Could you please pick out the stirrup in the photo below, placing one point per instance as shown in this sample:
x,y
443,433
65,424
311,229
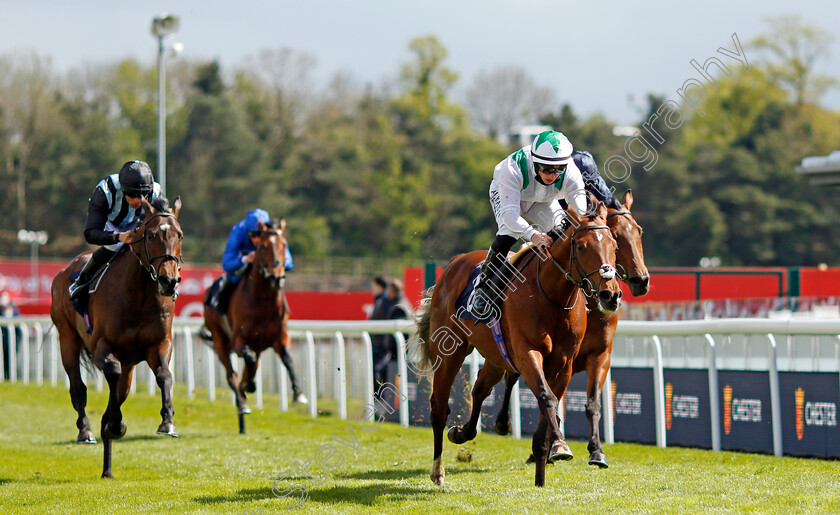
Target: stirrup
x,y
74,289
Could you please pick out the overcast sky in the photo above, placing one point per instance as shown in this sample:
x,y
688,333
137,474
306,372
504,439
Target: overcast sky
x,y
598,55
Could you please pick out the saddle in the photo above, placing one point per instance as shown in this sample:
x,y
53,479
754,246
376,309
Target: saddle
x,y
80,302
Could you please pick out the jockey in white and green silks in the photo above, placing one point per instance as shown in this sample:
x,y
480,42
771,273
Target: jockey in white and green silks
x,y
525,194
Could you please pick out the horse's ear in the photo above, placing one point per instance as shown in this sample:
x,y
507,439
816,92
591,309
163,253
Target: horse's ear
x,y
283,224
601,209
627,199
176,206
262,226
147,208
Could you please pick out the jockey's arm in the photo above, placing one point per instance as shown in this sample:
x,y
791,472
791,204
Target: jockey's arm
x,y
289,262
97,218
509,184
233,257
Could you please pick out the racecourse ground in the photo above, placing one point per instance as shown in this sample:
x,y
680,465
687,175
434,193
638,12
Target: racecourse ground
x,y
212,469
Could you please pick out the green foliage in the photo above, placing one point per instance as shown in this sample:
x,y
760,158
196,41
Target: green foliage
x,y
397,171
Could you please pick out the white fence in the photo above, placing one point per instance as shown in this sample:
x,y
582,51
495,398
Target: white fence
x,y
333,360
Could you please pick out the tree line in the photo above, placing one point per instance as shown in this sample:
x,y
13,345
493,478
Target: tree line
x,y
400,169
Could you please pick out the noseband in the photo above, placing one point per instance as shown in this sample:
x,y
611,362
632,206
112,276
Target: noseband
x,y
606,271
149,266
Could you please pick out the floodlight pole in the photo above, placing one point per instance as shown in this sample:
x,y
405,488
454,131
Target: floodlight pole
x,y
161,115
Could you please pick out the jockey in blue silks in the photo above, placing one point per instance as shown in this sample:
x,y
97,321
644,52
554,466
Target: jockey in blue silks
x,y
239,253
592,180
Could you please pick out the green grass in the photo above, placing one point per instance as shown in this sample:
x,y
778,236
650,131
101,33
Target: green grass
x,y
212,469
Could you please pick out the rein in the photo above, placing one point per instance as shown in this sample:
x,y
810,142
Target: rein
x,y
574,264
622,273
153,272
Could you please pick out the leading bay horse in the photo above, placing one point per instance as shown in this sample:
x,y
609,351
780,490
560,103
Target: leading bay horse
x,y
130,316
595,351
256,319
543,320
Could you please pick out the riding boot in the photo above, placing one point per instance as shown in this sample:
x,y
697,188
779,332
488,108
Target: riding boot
x,y
492,282
99,257
219,299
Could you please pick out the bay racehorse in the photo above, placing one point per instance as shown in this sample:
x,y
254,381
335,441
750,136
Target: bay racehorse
x,y
130,316
542,319
256,319
596,348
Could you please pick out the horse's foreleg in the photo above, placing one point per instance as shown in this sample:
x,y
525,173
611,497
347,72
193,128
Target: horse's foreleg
x,y
158,360
548,443
251,358
488,376
113,427
78,390
596,374
503,426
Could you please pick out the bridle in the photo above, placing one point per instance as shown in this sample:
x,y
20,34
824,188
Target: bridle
x,y
277,282
622,273
149,264
606,271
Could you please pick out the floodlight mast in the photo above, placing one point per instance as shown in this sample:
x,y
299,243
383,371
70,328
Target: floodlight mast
x,y
163,26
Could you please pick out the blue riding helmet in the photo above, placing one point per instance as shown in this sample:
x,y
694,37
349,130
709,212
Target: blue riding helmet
x,y
253,219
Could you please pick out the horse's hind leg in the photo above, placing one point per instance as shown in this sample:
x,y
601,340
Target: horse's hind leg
x,y
283,351
223,351
159,363
71,346
503,426
488,376
441,386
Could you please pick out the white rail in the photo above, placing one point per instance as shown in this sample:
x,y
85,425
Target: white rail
x,y
333,359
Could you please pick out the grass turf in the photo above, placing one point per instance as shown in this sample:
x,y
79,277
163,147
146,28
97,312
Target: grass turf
x,y
213,469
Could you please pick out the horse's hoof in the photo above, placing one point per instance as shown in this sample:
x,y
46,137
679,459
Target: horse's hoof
x,y
109,432
560,452
168,429
530,460
502,430
107,475
300,398
599,459
86,437
244,410
438,473
451,434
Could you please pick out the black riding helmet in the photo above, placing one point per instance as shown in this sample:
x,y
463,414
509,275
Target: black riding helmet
x,y
136,177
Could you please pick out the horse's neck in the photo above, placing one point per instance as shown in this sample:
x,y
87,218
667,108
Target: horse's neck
x,y
127,265
257,284
553,281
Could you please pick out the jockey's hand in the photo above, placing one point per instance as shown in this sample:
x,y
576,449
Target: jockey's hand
x,y
541,239
126,237
249,257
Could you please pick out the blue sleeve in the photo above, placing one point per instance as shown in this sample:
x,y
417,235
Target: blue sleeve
x,y
596,185
290,263
232,258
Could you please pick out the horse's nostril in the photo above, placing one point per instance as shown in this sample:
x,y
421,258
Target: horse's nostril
x,y
605,295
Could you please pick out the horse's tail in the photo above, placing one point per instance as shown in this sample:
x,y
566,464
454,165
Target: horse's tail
x,y
87,362
420,353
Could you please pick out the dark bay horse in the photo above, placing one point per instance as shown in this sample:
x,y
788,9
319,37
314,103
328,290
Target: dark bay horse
x,y
595,351
131,320
256,319
543,320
